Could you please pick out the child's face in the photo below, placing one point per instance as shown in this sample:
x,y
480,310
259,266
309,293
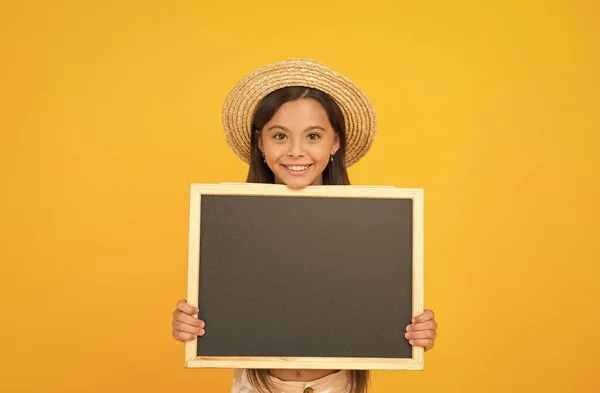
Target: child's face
x,y
298,142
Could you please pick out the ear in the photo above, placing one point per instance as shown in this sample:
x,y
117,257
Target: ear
x,y
336,144
259,140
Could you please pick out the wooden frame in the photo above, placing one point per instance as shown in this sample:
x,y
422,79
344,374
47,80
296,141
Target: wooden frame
x,y
197,190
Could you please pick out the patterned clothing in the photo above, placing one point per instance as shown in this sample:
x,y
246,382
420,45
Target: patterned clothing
x,y
333,383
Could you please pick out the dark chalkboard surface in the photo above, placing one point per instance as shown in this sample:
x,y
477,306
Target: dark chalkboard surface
x,y
325,277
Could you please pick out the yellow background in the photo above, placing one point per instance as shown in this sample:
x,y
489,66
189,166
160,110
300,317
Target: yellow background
x,y
110,109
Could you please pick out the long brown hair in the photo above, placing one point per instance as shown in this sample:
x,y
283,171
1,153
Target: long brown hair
x,y
334,174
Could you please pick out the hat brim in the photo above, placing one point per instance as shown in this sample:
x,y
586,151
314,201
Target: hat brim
x,y
241,103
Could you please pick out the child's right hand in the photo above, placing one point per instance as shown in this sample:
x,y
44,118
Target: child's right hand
x,y
186,326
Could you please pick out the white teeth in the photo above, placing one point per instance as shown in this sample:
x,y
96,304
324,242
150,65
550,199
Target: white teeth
x,y
298,168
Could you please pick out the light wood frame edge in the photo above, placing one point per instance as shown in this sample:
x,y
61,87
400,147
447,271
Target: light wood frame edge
x,y
193,274
305,363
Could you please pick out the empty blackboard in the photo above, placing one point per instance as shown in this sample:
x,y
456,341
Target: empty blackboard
x,y
326,277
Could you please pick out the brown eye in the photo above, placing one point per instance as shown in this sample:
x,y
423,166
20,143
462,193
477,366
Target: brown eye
x,y
279,136
314,136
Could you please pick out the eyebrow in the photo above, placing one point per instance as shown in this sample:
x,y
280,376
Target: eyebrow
x,y
286,129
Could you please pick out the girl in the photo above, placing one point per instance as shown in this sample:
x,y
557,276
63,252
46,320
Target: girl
x,y
290,121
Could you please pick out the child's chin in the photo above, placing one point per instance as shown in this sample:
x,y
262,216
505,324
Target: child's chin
x,y
298,184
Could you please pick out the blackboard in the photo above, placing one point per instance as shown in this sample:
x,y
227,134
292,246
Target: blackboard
x,y
326,277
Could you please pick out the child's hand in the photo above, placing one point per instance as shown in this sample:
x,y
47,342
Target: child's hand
x,y
185,326
423,330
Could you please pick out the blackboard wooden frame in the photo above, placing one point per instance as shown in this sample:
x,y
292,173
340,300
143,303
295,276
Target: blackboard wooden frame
x,y
192,360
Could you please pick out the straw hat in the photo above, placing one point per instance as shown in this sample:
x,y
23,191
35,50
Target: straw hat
x,y
240,104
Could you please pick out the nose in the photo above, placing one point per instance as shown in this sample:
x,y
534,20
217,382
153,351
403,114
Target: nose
x,y
296,149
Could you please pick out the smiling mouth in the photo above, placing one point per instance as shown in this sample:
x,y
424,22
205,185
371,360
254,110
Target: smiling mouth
x,y
297,169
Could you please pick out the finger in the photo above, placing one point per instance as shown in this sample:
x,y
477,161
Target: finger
x,y
427,344
183,306
428,325
424,316
424,334
188,319
182,336
184,327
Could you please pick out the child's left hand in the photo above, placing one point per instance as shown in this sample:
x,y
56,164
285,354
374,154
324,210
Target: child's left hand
x,y
422,331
